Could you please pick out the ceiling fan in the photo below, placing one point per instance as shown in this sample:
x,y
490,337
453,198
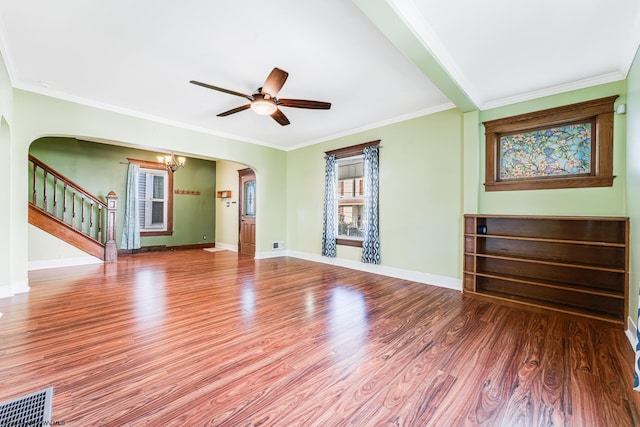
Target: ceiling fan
x,y
264,101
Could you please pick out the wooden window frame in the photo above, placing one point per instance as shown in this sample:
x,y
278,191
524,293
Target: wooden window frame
x,y
598,111
159,166
343,153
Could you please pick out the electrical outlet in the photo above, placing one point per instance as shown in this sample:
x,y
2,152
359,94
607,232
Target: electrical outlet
x,y
278,245
204,237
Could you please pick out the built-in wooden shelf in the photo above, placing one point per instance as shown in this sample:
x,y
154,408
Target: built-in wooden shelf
x,y
576,265
224,194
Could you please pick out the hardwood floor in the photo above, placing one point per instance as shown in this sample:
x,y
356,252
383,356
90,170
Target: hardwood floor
x,y
199,338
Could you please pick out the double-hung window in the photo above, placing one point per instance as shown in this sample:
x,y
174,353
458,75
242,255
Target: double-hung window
x,y
153,199
350,197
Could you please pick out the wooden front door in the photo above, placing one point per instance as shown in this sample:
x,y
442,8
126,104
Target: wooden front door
x,y
247,235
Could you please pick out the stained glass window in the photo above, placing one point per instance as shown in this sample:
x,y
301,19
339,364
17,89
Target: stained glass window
x,y
555,151
250,198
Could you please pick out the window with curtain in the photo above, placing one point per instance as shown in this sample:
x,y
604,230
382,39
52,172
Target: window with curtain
x,y
155,198
351,200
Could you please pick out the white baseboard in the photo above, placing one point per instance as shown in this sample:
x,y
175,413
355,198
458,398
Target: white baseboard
x,y
66,262
271,254
632,333
20,287
6,291
227,246
14,288
398,273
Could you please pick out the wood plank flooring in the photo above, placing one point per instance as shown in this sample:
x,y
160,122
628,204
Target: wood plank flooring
x,y
194,338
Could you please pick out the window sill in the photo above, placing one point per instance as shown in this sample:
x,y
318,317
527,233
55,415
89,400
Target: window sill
x,y
550,183
156,233
349,242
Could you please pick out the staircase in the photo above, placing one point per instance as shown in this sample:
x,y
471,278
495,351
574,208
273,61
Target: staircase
x,y
67,211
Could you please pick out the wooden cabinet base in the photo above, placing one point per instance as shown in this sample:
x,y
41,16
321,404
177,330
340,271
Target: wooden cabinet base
x,y
573,265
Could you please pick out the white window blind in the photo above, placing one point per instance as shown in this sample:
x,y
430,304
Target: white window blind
x,y
153,195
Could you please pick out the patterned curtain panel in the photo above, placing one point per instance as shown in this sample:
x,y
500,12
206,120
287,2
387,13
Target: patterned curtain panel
x,y
131,228
371,242
329,222
636,375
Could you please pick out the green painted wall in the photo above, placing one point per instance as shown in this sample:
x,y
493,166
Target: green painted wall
x,y
633,181
420,194
582,201
101,168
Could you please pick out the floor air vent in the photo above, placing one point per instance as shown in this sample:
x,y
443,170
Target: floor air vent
x,y
32,409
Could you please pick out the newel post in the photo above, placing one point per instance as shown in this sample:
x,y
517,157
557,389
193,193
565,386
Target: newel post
x,y
111,250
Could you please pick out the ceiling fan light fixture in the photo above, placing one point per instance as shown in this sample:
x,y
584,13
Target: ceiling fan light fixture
x,y
264,102
264,107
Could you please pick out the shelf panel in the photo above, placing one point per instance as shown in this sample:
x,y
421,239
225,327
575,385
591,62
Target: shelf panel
x,y
617,320
613,282
468,283
469,225
568,301
545,262
552,285
609,230
565,253
547,240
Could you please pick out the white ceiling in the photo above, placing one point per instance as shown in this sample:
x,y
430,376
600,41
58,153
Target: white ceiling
x,y
376,61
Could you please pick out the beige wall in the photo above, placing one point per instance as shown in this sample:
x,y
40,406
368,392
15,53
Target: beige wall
x,y
47,251
227,210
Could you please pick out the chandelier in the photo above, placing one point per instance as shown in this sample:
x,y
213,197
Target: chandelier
x,y
172,162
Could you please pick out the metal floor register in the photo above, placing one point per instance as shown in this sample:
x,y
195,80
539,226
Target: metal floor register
x,y
32,409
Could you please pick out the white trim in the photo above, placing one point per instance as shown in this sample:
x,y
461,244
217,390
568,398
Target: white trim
x,y
398,273
226,246
271,254
632,333
416,114
65,262
6,291
555,90
20,287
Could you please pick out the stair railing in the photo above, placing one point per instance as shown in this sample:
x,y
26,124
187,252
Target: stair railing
x,y
70,204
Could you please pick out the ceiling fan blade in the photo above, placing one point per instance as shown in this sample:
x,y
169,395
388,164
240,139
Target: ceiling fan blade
x,y
279,117
302,103
220,89
274,82
235,110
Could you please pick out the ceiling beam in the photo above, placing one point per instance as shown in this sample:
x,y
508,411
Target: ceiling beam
x,y
392,25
